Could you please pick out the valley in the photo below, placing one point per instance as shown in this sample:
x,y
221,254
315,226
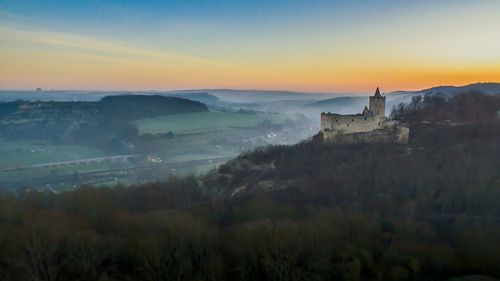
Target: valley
x,y
425,210
60,146
172,133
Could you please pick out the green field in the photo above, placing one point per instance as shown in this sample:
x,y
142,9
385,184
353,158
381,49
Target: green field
x,y
201,141
202,122
22,153
25,153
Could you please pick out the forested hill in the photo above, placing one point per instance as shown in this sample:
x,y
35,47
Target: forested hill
x,y
424,211
69,121
134,107
444,135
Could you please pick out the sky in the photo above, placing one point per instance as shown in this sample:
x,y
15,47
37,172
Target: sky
x,y
314,46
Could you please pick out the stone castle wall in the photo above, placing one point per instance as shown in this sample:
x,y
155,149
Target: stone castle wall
x,y
393,134
347,124
402,134
369,127
376,136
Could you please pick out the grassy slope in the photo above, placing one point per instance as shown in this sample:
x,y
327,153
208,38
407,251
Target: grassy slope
x,y
202,122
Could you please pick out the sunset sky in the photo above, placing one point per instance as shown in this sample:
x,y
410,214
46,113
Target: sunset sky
x,y
317,46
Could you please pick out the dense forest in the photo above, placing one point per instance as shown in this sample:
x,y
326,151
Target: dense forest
x,y
424,211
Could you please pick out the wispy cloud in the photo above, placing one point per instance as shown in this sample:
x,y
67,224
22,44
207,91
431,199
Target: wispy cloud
x,y
102,47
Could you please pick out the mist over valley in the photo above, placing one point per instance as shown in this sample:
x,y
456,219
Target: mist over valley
x,y
229,140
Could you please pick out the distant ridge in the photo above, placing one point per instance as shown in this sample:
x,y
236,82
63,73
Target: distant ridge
x,y
251,96
354,104
489,88
221,96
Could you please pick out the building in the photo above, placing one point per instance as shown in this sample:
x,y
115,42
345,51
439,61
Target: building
x,y
370,126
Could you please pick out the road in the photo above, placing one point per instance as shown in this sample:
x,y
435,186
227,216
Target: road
x,y
75,162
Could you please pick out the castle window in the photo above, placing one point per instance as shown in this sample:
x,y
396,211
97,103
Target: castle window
x,y
365,118
352,120
347,125
379,123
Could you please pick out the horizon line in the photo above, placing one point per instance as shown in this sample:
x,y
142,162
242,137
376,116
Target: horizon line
x,y
232,89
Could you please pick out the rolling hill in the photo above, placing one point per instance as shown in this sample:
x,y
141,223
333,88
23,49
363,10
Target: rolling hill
x,y
71,121
355,104
489,88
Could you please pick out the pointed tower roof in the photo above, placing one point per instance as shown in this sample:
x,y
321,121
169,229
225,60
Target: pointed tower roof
x,y
365,110
377,93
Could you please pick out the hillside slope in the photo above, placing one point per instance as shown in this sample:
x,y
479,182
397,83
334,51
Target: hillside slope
x,y
489,88
66,121
463,127
311,211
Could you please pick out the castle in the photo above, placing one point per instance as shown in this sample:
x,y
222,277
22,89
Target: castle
x,y
371,126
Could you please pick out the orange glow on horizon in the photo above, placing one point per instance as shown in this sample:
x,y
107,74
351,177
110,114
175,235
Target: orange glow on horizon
x,y
62,61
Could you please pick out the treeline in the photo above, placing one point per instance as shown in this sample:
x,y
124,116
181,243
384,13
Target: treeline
x,y
132,107
466,107
427,211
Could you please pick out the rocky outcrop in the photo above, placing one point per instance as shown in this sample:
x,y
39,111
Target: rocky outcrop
x,y
242,176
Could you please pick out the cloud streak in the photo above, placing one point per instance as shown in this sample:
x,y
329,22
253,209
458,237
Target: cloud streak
x,y
101,47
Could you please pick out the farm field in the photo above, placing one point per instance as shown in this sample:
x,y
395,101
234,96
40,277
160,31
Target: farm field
x,y
196,146
24,153
200,142
202,122
34,173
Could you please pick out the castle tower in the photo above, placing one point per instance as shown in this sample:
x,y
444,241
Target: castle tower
x,y
377,104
